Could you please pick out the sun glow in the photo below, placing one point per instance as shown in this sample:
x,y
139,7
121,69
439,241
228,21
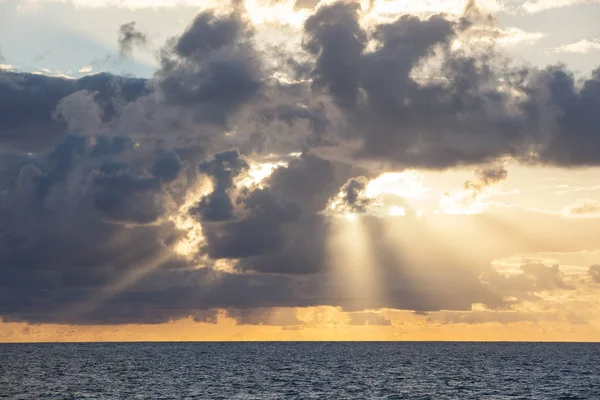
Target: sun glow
x,y
193,237
396,211
257,173
283,12
386,195
462,202
407,184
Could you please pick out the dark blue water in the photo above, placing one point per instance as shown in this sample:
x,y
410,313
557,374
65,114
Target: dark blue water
x,y
300,371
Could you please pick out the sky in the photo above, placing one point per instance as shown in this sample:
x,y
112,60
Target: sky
x,y
299,170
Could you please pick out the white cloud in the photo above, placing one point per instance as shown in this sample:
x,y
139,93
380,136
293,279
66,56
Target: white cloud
x,y
583,46
376,7
513,36
543,5
131,4
86,69
55,74
6,67
510,36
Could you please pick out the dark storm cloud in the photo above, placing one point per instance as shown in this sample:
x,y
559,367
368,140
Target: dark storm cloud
x,y
58,165
123,197
257,234
218,205
352,194
211,68
575,137
431,124
28,105
208,33
308,181
282,231
167,165
129,37
92,171
464,118
335,37
291,114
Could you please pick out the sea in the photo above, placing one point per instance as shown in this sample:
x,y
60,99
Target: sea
x,y
348,370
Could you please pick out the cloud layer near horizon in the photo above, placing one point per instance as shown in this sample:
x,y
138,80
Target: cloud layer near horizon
x,y
104,179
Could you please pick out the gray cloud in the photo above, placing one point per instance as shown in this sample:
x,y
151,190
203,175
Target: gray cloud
x,y
594,272
465,118
81,113
353,196
265,316
218,206
535,277
486,176
92,169
129,37
583,208
491,175
29,102
502,317
212,68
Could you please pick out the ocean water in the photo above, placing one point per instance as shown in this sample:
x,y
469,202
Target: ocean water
x,y
300,371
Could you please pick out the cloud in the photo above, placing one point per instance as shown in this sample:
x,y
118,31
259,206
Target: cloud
x,y
104,179
368,318
537,6
29,104
594,273
306,3
218,206
85,69
398,119
129,37
80,112
285,317
513,36
534,278
583,208
212,68
470,199
545,278
483,317
487,176
352,197
134,4
581,47
510,36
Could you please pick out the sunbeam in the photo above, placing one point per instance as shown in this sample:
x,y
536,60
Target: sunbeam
x,y
351,261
